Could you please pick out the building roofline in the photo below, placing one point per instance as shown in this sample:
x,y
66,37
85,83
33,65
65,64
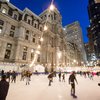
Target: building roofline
x,y
12,6
21,11
27,9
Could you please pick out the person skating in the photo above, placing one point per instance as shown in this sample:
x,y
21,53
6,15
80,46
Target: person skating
x,y
63,77
4,86
59,76
72,80
50,77
8,75
14,74
27,77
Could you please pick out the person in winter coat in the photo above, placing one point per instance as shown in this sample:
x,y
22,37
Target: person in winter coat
x,y
4,86
72,80
50,77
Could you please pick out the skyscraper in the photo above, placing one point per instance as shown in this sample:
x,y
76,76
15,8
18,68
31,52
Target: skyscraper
x,y
74,35
94,28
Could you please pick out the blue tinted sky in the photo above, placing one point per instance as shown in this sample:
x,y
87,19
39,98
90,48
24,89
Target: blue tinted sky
x,y
71,10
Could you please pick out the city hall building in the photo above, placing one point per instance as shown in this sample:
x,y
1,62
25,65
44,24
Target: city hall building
x,y
20,33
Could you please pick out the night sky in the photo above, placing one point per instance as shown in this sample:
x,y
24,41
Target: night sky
x,y
71,10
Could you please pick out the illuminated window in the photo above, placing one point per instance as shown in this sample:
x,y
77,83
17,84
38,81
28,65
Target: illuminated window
x,y
1,25
0,29
94,16
8,51
96,7
32,54
4,10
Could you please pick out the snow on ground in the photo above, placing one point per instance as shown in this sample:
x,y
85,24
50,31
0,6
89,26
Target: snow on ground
x,y
39,90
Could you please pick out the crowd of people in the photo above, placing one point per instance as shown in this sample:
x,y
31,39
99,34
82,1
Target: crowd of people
x,y
10,77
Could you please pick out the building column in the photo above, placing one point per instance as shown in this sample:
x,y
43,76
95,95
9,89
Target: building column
x,y
21,34
2,51
7,27
18,53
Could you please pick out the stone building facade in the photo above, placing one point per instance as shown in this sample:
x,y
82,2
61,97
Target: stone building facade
x,y
20,33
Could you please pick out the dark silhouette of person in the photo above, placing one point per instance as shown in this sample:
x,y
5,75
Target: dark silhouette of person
x,y
63,77
59,76
2,73
8,74
14,74
72,80
4,86
50,77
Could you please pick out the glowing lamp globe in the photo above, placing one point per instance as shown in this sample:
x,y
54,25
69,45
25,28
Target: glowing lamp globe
x,y
52,7
41,39
45,28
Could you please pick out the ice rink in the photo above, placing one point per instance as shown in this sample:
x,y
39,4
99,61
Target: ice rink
x,y
39,90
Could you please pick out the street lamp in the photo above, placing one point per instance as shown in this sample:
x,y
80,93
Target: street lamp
x,y
39,46
45,28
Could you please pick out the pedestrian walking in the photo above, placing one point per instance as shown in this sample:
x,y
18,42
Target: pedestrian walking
x,y
72,80
4,86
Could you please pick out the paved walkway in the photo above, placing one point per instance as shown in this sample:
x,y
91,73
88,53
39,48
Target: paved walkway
x,y
39,90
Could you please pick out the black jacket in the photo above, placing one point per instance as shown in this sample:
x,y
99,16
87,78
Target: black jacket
x,y
4,86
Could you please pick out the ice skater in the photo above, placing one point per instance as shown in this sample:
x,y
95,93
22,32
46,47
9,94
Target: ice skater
x,y
63,77
28,76
59,76
50,77
4,87
72,80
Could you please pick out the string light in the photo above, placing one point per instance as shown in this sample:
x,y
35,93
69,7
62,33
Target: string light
x,y
45,28
32,50
51,8
35,57
39,46
37,52
41,39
